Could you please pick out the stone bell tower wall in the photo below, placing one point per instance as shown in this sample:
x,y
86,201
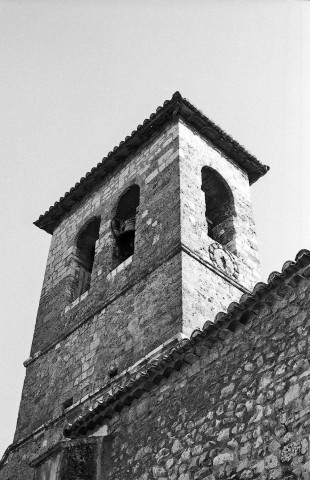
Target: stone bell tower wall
x,y
154,295
195,153
208,289
116,337
155,169
128,311
205,293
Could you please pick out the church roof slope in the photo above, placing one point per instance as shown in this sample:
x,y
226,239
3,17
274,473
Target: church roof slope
x,y
177,106
187,350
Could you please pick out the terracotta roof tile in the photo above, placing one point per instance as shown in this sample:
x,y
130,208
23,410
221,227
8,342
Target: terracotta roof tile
x,y
237,314
176,107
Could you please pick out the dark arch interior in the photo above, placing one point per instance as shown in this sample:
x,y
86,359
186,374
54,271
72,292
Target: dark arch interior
x,y
86,243
219,205
128,203
124,224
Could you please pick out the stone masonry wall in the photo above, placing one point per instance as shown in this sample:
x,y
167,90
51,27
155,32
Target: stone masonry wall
x,y
117,337
195,153
204,294
155,169
240,411
124,315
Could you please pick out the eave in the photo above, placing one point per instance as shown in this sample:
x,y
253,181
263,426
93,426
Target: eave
x,y
188,350
177,107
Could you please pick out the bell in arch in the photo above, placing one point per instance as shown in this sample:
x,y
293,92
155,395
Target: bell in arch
x,y
124,223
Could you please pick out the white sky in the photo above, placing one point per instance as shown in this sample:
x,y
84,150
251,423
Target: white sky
x,y
78,76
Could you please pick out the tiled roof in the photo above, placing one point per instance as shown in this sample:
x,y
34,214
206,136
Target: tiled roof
x,y
188,350
176,107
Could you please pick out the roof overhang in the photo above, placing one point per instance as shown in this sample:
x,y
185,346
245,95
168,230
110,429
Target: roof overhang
x,y
177,107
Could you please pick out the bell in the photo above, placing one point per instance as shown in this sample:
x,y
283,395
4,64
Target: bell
x,y
126,237
128,225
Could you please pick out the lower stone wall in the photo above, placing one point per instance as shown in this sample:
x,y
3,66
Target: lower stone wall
x,y
238,410
17,464
16,468
241,411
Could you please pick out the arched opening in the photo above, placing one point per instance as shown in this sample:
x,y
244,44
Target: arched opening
x,y
220,208
85,255
124,225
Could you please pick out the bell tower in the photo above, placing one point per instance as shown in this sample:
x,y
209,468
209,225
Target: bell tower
x,y
156,240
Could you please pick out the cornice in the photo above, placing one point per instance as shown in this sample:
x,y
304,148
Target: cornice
x,y
177,107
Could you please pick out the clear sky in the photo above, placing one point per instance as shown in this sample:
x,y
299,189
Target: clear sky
x,y
78,76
